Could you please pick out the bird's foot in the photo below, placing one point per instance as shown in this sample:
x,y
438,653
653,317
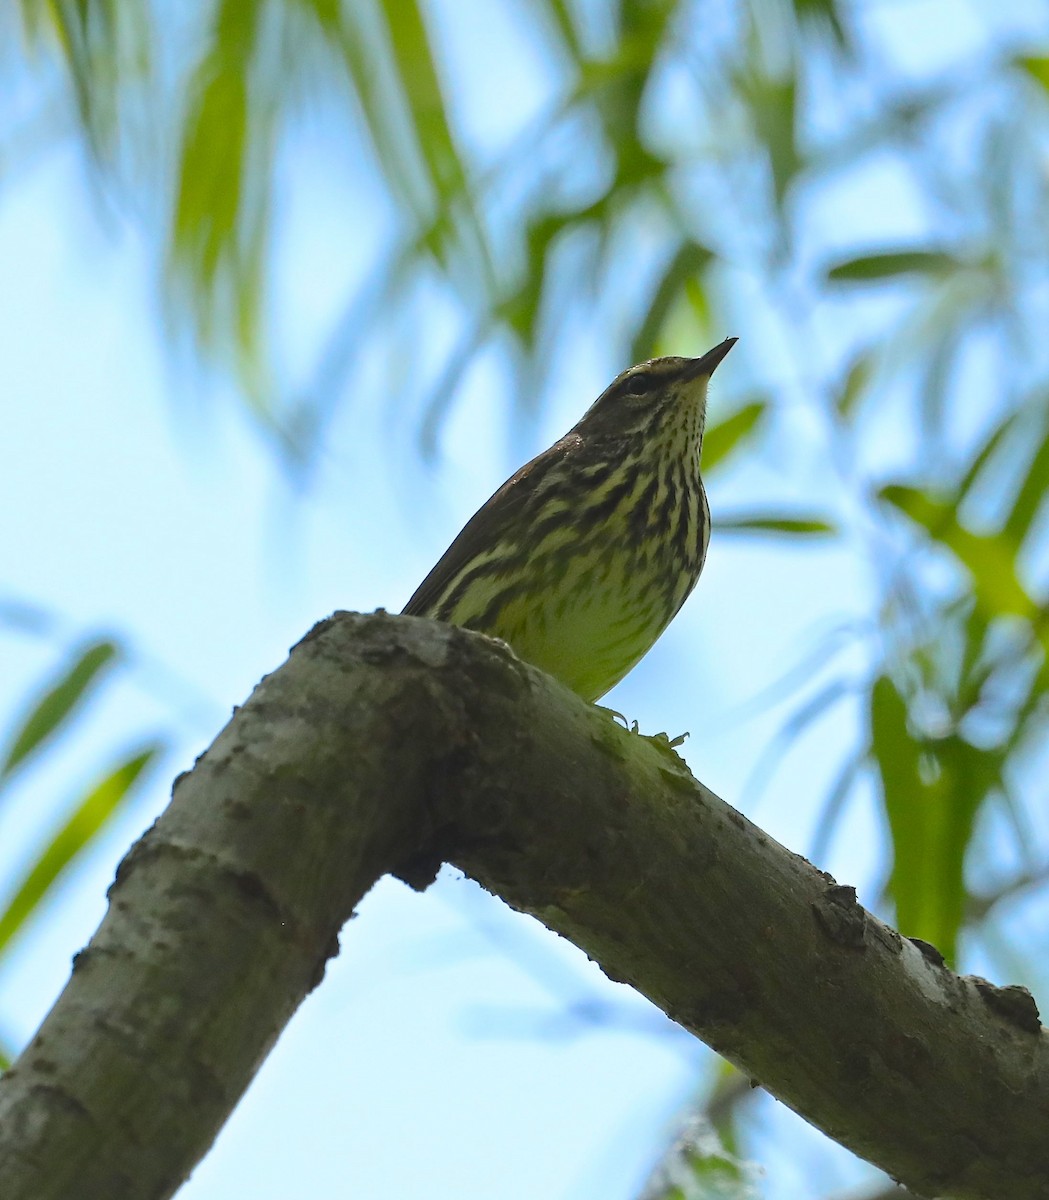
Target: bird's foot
x,y
666,741
662,741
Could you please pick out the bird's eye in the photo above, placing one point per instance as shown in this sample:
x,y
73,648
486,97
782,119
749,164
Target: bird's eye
x,y
638,384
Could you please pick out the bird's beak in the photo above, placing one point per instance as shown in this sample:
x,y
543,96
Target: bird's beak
x,y
707,364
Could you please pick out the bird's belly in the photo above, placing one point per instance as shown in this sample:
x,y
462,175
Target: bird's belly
x,y
593,627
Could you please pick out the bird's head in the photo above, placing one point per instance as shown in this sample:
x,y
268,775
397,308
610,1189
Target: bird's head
x,y
661,398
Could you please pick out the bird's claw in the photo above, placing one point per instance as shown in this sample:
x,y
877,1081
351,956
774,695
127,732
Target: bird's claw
x,y
662,741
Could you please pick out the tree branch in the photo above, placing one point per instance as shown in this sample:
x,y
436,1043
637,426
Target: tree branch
x,y
390,744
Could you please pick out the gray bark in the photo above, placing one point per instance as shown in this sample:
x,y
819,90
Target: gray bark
x,y
391,744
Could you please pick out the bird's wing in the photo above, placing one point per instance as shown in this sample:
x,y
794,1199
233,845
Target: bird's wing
x,y
488,525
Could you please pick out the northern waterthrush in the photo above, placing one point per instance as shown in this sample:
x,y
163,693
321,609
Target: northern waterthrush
x,y
584,556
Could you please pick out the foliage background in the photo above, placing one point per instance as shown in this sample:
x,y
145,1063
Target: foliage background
x,y
290,287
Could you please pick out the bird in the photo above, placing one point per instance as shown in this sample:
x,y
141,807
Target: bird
x,y
585,555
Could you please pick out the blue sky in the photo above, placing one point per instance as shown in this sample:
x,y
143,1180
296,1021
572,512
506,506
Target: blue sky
x,y
440,1057
431,1061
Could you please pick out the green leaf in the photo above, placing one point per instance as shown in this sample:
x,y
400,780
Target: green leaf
x,y
698,1167
350,32
217,242
420,90
892,263
1037,66
59,703
726,436
213,163
988,558
1030,497
856,381
772,104
97,807
825,13
931,791
688,261
760,523
986,452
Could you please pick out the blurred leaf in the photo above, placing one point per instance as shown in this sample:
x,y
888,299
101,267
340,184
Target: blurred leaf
x,y
347,29
833,808
809,711
687,262
106,47
857,379
562,19
26,616
761,523
986,452
97,807
825,14
937,375
891,263
698,1167
726,436
771,104
932,792
1037,66
989,558
545,234
220,217
1030,497
58,703
420,88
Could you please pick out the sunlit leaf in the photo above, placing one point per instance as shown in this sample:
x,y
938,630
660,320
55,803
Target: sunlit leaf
x,y
59,703
770,523
890,264
348,31
721,440
932,792
213,162
989,559
220,216
419,86
75,833
688,261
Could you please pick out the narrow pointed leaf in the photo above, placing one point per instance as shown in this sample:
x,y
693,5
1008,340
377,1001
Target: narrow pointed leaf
x,y
932,792
59,703
1031,496
688,261
761,523
213,162
722,439
96,808
891,264
854,385
990,559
